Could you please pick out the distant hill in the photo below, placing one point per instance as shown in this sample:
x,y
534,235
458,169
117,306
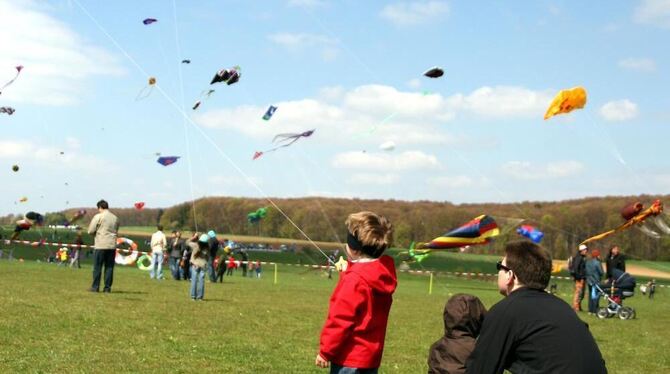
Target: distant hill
x,y
565,223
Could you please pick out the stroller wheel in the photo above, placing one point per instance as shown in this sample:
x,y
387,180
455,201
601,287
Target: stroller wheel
x,y
603,313
625,313
631,312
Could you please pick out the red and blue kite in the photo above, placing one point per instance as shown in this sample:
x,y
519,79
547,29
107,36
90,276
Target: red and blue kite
x,y
167,160
531,233
478,231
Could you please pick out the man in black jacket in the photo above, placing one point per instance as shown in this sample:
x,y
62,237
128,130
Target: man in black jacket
x,y
532,331
615,260
174,249
578,272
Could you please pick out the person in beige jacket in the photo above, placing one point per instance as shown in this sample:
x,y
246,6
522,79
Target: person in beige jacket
x,y
105,227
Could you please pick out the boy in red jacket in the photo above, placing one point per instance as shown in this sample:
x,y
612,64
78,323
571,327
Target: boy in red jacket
x,y
352,339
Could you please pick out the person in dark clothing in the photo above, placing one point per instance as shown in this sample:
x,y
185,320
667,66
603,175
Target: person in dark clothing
x,y
594,273
615,260
463,318
244,263
174,250
530,330
578,272
213,249
186,262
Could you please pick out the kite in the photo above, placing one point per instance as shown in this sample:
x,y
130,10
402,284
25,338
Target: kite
x,y
531,233
635,215
146,91
341,264
435,72
204,95
167,160
139,205
7,109
23,199
197,104
149,21
256,216
566,101
269,113
185,61
15,168
287,139
478,231
229,76
18,71
414,255
387,146
29,219
77,216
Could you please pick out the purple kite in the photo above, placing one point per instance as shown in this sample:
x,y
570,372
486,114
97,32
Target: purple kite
x,y
149,21
287,139
229,76
167,160
18,71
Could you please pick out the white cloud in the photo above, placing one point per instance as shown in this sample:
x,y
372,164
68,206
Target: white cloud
x,y
646,65
620,110
526,170
414,83
20,151
456,181
306,3
371,112
409,160
329,47
373,179
653,12
57,61
415,12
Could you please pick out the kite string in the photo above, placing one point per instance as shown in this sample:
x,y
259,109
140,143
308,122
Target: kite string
x,y
186,137
199,130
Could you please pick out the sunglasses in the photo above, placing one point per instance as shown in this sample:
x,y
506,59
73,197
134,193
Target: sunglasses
x,y
500,266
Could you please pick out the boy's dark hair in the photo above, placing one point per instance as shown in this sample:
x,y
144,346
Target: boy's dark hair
x,y
160,227
102,204
530,262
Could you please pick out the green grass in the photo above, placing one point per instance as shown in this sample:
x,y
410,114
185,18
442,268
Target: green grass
x,y
49,323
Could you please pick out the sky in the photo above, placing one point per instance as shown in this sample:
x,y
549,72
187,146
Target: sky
x,y
351,70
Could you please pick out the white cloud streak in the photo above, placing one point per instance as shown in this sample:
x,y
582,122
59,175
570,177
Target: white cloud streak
x,y
415,12
620,110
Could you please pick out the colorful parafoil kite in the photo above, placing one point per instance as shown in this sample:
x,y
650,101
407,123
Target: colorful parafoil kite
x,y
269,113
435,72
566,101
149,21
146,91
636,215
18,71
8,110
167,160
478,231
286,139
257,215
229,76
531,233
139,205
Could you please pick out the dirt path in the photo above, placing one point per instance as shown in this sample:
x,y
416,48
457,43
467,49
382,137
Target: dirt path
x,y
633,269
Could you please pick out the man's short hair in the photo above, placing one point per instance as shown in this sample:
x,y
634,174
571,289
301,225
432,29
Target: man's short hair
x,y
373,232
160,227
530,262
102,204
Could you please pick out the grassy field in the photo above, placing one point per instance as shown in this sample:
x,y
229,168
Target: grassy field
x,y
50,323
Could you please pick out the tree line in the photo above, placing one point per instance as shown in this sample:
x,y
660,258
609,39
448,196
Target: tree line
x,y
565,223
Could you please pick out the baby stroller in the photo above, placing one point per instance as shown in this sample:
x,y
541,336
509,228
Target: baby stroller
x,y
620,286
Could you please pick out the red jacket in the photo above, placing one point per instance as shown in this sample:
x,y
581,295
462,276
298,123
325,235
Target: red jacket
x,y
353,335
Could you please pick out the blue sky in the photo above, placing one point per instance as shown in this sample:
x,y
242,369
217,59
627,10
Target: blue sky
x,y
342,68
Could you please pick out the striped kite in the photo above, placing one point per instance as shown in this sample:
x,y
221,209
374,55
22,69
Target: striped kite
x,y
478,231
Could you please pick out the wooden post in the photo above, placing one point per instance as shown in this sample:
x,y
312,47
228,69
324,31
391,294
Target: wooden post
x,y
430,284
275,282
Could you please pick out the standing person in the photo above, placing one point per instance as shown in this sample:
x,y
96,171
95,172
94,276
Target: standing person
x,y
578,272
105,227
594,272
174,248
615,260
245,262
231,265
158,245
352,339
214,245
76,252
531,330
199,260
259,270
185,262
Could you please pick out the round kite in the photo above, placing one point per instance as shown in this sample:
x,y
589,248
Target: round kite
x,y
126,256
15,168
139,205
144,262
146,91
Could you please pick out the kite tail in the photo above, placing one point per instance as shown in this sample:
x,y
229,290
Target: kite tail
x,y
144,93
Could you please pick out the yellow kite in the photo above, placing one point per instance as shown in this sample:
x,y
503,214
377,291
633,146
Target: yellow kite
x,y
566,101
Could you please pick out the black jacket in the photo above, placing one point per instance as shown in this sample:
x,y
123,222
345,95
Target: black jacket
x,y
532,331
615,262
579,264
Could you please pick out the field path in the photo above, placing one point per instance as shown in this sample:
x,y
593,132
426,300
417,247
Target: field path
x,y
633,269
